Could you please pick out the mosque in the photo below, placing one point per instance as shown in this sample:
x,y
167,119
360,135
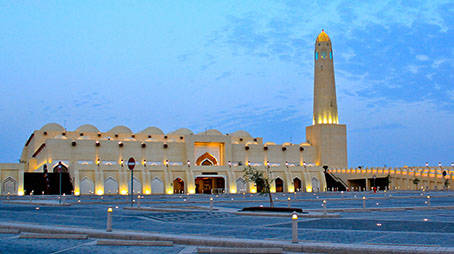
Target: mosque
x,y
87,161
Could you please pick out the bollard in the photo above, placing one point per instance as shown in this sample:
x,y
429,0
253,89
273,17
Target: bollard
x,y
294,227
288,202
342,192
428,200
138,201
364,202
109,220
324,207
211,203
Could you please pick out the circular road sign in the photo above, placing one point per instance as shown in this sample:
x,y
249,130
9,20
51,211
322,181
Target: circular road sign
x,y
131,163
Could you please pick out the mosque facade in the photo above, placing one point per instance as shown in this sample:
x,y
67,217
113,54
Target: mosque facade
x,y
95,162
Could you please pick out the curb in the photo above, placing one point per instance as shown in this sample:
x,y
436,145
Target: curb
x,y
227,242
133,243
288,215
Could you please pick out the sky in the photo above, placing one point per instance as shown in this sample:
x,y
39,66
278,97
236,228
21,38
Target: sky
x,y
232,65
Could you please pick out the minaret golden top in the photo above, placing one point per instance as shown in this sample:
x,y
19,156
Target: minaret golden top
x,y
322,36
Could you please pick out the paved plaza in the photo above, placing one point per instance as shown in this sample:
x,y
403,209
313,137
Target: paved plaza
x,y
391,219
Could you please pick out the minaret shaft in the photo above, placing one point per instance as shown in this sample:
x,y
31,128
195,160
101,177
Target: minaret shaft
x,y
326,135
325,104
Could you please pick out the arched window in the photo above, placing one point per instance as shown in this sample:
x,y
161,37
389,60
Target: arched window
x,y
331,55
316,55
206,159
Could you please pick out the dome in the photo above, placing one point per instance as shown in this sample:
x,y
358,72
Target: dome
x,y
182,131
52,127
87,128
120,129
240,133
211,132
152,131
322,37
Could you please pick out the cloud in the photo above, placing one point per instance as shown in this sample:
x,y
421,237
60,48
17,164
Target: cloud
x,y
422,57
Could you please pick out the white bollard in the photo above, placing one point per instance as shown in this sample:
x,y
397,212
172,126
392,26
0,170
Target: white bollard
x,y
109,220
211,203
294,227
364,202
138,201
288,202
342,192
324,207
428,200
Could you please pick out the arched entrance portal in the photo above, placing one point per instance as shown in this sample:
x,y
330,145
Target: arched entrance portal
x,y
279,185
209,184
178,186
297,184
49,182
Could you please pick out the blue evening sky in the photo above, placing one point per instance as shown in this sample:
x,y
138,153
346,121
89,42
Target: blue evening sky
x,y
232,65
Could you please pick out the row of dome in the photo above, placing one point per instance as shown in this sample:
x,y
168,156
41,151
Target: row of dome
x,y
120,129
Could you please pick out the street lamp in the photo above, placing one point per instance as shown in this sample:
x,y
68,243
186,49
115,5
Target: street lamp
x,y
59,180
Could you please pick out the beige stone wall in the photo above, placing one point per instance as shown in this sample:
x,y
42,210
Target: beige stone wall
x,y
97,161
401,178
330,144
11,179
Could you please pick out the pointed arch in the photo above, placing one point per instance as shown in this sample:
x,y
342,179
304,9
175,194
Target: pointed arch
x,y
110,186
178,186
86,186
297,184
136,184
206,159
279,185
9,186
157,186
315,184
241,185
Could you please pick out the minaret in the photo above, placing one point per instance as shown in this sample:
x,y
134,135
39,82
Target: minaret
x,y
325,105
326,135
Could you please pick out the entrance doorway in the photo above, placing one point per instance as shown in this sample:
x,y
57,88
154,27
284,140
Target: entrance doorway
x,y
279,185
210,184
178,186
297,184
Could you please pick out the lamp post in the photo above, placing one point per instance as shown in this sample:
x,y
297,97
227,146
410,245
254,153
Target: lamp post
x,y
294,227
59,180
109,220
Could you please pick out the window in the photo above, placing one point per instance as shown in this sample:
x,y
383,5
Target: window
x,y
316,55
323,55
331,55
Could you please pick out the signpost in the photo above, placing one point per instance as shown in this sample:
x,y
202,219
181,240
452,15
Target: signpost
x,y
131,165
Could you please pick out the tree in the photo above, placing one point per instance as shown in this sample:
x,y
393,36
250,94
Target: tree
x,y
261,179
415,182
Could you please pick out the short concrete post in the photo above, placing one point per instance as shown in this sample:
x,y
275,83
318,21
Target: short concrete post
x,y
294,227
138,201
109,220
342,193
324,207
211,203
428,200
364,202
289,202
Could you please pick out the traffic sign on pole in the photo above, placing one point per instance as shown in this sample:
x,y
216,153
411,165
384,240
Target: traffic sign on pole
x,y
131,163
